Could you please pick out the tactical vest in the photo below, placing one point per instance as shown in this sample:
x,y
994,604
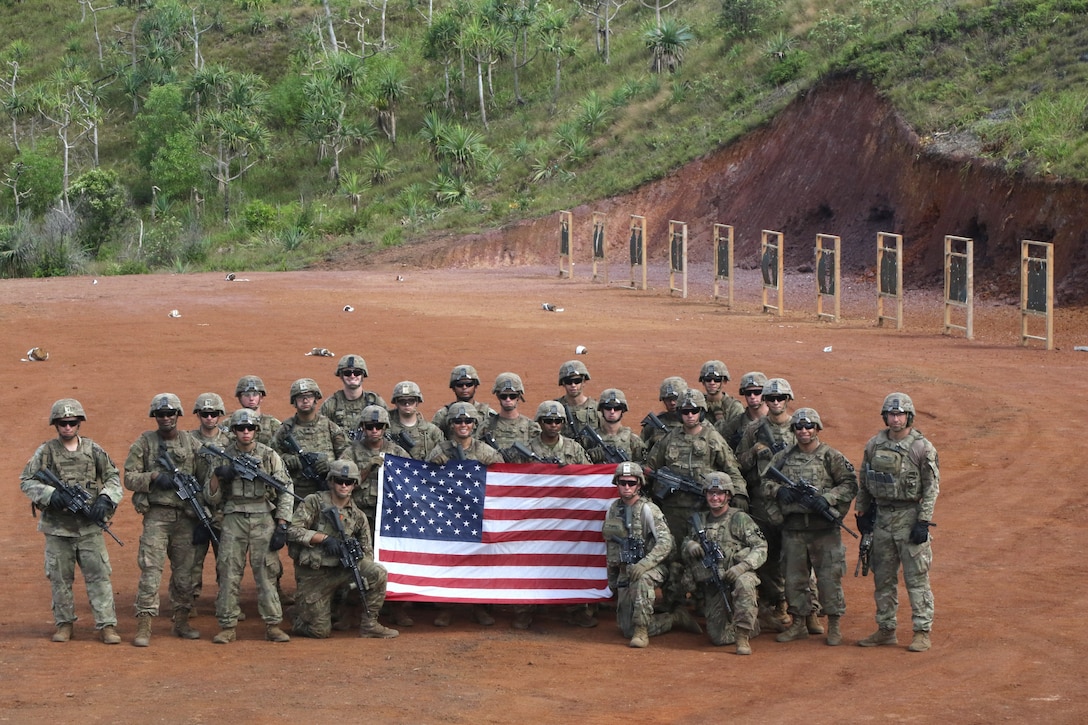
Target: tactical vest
x,y
893,469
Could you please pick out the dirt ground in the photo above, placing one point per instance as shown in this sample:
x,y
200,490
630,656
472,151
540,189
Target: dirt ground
x,y
1007,576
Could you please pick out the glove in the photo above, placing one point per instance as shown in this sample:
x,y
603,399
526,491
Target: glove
x,y
787,495
224,473
734,572
60,500
291,461
866,521
279,538
919,533
596,455
163,481
201,535
102,509
694,549
818,504
332,546
762,451
636,571
321,465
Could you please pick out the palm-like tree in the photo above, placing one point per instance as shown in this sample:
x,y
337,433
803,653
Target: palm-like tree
x,y
462,147
353,186
667,43
390,87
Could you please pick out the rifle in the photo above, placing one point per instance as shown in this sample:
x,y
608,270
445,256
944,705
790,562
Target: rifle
x,y
76,499
188,489
712,554
248,468
865,547
668,482
632,549
351,551
572,424
307,459
527,452
765,435
611,453
808,494
403,440
651,419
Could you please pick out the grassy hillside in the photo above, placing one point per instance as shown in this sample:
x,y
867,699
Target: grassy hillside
x,y
1007,80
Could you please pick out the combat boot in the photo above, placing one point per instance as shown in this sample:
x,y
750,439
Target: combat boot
x,y
181,625
482,616
920,643
63,633
109,635
834,633
879,637
782,615
682,618
273,633
376,630
769,621
143,630
797,630
744,647
641,638
812,623
522,620
225,636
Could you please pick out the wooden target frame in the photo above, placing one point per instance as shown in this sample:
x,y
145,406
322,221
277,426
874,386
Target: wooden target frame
x,y
678,257
637,249
566,245
1037,289
598,245
828,276
889,277
959,283
770,264
723,262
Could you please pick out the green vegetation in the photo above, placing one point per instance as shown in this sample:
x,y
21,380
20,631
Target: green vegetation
x,y
211,134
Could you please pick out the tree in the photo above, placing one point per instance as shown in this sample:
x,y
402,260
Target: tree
x,y
553,26
667,43
441,44
389,87
162,116
101,205
35,179
176,167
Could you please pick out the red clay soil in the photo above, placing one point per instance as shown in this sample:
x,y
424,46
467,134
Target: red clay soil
x,y
1008,573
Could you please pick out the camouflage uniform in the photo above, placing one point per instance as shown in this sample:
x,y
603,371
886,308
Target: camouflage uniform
x,y
168,522
477,451
645,523
902,479
441,416
565,450
200,550
625,440
584,414
809,541
345,413
741,542
250,511
423,434
320,574
369,462
505,431
321,436
70,540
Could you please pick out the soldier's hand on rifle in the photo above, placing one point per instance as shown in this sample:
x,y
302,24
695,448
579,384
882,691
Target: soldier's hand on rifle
x,y
321,465
734,572
60,500
162,480
332,546
818,504
201,535
694,549
292,462
279,537
224,473
762,451
919,533
864,522
102,509
596,455
637,570
787,495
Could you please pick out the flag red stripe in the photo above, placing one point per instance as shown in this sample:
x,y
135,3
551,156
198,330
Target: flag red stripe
x,y
431,559
529,491
533,514
504,583
502,537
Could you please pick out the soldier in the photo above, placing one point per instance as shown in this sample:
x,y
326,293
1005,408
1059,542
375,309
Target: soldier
x,y
315,434
549,444
501,430
464,382
346,405
367,452
72,539
251,392
462,444
743,550
169,522
751,392
669,394
720,405
810,542
901,480
407,424
573,376
638,544
209,410
764,437
255,517
612,405
320,547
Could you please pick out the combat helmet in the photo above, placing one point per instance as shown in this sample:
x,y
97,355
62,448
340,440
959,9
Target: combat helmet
x,y
406,389
713,368
249,384
691,399
164,402
629,468
550,409
464,372
718,481
374,414
754,379
806,415
612,396
672,387
245,416
66,408
778,386
304,386
573,368
509,383
462,409
898,403
351,362
343,468
209,402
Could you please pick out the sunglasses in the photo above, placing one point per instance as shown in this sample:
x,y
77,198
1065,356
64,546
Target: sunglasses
x,y
804,426
626,483
406,401
775,398
352,374
552,421
245,426
690,411
344,481
465,384
574,381
749,393
508,396
66,423
462,421
166,414
209,414
713,379
611,407
373,426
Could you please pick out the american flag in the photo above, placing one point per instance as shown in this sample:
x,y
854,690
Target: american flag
x,y
504,534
